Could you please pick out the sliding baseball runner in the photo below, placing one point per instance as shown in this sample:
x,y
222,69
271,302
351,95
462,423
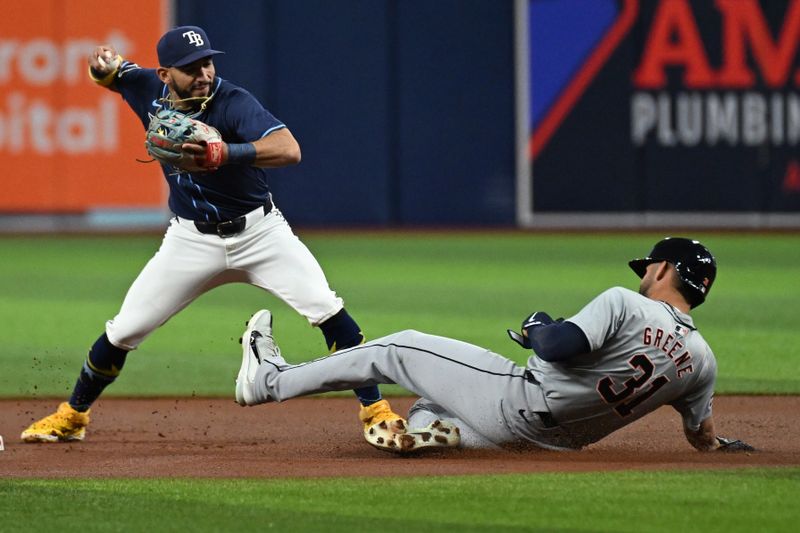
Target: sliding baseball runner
x,y
619,358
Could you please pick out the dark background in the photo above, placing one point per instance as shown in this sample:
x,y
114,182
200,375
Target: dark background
x,y
404,110
405,113
592,165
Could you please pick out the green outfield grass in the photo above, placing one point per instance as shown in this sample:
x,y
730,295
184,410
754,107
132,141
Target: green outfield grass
x,y
57,292
729,501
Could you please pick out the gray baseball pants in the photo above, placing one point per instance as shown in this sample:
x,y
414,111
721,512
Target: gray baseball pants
x,y
489,397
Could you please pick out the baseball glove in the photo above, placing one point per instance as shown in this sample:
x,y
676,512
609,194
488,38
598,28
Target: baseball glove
x,y
170,130
733,445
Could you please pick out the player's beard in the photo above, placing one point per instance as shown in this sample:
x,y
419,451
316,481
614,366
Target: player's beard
x,y
192,100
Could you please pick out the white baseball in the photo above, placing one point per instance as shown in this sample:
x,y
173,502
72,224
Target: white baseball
x,y
108,61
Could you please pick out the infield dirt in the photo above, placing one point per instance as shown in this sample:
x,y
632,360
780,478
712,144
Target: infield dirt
x,y
321,437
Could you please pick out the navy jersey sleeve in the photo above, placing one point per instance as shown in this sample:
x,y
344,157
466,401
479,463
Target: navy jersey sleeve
x,y
558,341
246,120
140,88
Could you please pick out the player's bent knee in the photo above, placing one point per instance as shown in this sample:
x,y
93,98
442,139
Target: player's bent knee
x,y
125,340
128,331
404,337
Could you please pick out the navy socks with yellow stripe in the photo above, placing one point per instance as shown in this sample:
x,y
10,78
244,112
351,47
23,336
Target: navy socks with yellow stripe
x,y
101,368
105,361
341,332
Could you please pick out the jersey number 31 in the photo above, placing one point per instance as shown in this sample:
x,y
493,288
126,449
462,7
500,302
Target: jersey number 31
x,y
631,394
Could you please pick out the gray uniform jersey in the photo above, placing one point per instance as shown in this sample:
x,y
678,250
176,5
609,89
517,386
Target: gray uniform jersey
x,y
644,354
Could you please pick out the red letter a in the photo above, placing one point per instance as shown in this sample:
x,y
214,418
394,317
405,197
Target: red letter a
x,y
674,40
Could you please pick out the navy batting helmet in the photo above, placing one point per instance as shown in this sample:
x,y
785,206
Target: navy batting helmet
x,y
696,267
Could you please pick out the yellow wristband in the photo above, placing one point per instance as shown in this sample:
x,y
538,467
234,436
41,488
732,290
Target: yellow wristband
x,y
108,79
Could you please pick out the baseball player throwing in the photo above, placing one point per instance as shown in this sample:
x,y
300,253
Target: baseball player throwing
x,y
226,227
621,357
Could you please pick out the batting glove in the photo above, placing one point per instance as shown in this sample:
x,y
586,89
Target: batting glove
x,y
539,318
733,445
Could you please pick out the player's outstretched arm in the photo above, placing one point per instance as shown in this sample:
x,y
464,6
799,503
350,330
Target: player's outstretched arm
x,y
705,439
103,64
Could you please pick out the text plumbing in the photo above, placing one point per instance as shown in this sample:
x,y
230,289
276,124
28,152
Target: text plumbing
x,y
747,95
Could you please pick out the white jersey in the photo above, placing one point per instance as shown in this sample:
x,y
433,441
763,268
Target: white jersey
x,y
644,354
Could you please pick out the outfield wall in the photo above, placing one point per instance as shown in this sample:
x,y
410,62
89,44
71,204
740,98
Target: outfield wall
x,y
557,113
659,112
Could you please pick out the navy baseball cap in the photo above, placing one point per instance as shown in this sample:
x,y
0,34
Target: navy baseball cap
x,y
183,45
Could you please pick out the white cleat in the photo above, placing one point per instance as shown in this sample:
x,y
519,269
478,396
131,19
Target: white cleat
x,y
393,437
257,343
438,434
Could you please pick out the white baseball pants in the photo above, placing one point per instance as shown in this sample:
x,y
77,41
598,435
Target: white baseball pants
x,y
266,254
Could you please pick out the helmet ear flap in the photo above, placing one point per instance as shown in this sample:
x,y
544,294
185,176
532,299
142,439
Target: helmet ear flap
x,y
698,279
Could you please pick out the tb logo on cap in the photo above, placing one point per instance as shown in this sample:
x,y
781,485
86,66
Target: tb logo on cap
x,y
194,38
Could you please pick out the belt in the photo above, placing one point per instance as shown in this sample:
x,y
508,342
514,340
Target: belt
x,y
228,228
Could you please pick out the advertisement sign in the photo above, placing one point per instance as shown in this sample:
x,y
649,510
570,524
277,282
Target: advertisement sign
x,y
67,145
676,111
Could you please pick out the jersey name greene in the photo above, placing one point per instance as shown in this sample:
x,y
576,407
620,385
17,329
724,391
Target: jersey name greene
x,y
644,354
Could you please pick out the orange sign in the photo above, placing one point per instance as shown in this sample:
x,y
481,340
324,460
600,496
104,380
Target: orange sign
x,y
66,144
